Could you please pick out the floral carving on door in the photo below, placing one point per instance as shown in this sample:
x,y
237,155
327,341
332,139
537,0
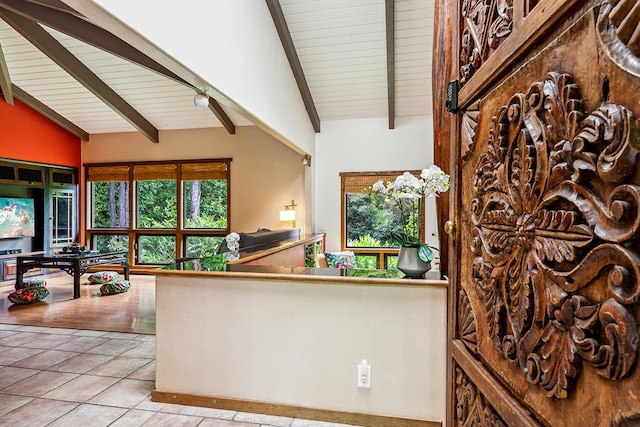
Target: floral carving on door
x,y
486,24
555,226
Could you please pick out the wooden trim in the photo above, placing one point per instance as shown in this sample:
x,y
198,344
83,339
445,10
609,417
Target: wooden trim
x,y
389,8
290,50
291,411
5,80
522,38
41,108
159,162
48,45
508,407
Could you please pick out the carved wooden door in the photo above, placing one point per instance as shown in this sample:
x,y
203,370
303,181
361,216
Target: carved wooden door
x,y
545,260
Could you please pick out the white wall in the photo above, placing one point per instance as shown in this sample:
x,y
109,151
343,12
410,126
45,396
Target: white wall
x,y
265,174
299,342
367,145
229,47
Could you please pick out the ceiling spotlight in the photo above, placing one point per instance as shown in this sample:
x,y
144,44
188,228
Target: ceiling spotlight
x,y
201,100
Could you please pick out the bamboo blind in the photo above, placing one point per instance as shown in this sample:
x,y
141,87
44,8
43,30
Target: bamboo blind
x,y
203,171
108,173
357,182
155,172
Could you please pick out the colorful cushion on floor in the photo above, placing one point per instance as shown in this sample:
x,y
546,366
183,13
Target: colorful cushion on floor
x,y
115,287
28,295
101,277
344,259
28,283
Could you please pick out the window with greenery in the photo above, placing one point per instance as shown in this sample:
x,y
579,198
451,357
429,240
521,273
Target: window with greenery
x,y
368,219
156,249
109,196
156,195
110,242
178,208
202,246
204,186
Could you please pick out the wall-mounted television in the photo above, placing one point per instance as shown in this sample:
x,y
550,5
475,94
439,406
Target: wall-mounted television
x,y
16,218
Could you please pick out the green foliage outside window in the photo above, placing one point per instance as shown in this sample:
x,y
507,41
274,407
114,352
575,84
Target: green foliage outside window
x,y
203,246
156,249
157,204
110,204
110,243
205,204
371,219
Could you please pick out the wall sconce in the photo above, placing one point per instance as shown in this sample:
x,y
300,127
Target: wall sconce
x,y
201,100
289,213
306,160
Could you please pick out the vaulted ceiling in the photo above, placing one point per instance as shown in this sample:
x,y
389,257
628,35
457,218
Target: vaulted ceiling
x,y
349,59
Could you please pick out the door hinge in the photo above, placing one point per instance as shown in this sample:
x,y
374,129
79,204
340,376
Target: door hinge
x,y
452,96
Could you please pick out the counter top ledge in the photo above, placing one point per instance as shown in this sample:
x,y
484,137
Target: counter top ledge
x,y
297,277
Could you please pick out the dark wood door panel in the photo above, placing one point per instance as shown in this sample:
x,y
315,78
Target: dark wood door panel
x,y
480,399
493,34
546,296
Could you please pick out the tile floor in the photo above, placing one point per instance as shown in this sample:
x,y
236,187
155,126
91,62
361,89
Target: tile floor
x,y
71,377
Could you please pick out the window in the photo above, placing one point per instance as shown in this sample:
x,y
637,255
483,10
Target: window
x,y
62,218
367,220
156,186
110,242
178,208
205,188
109,196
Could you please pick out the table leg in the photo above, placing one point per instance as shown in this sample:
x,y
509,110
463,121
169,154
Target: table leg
x,y
76,279
19,274
126,270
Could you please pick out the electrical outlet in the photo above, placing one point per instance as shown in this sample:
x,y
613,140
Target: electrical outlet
x,y
364,374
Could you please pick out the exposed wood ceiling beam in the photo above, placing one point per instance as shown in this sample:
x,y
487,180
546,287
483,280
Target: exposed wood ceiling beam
x,y
287,43
60,17
391,92
216,108
49,113
5,80
88,33
68,62
56,4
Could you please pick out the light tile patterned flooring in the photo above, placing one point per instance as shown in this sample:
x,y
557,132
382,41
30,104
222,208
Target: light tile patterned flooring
x,y
71,377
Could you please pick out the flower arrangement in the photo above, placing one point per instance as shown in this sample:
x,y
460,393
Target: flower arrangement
x,y
404,192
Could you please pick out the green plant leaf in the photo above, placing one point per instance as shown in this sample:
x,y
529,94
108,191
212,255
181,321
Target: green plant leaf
x,y
425,253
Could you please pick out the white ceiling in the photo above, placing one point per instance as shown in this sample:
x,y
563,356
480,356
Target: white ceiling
x,y
341,45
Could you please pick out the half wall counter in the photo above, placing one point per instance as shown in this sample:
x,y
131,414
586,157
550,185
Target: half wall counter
x,y
287,341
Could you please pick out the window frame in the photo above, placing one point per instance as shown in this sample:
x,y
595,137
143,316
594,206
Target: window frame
x,y
116,171
68,195
362,180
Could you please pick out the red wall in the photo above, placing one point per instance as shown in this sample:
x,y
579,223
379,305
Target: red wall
x,y
27,135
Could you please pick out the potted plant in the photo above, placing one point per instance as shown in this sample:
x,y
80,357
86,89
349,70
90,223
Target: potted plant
x,y
414,257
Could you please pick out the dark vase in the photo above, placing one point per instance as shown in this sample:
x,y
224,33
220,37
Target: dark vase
x,y
410,263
